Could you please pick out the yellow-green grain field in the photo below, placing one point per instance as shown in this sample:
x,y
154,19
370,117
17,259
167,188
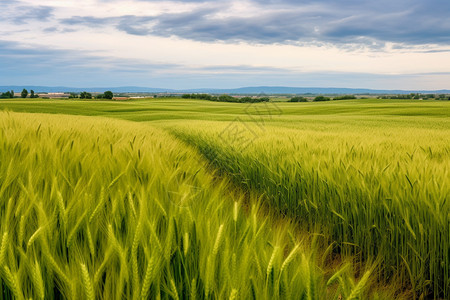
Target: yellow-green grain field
x,y
194,199
101,209
381,192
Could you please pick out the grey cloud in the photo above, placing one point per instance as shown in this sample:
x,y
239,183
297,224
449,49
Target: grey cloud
x,y
16,12
51,29
368,23
88,21
23,14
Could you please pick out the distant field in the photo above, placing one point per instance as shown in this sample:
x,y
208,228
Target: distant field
x,y
165,109
371,176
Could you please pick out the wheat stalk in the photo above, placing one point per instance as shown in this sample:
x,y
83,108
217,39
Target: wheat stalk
x,y
87,283
271,260
12,282
218,240
234,294
194,289
148,278
289,258
38,282
134,248
359,288
174,289
3,247
34,236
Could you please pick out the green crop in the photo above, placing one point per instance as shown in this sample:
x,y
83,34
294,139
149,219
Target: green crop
x,y
94,208
379,192
214,199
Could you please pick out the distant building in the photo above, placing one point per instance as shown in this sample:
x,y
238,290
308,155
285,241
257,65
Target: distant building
x,y
54,95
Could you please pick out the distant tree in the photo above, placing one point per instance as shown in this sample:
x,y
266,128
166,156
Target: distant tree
x,y
12,94
32,94
100,96
344,97
108,95
227,98
73,95
245,99
24,93
298,99
85,95
321,98
7,95
203,96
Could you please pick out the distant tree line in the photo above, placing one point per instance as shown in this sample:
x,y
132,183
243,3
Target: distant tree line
x,y
197,96
226,98
345,97
321,98
86,95
298,99
23,94
303,99
416,96
105,95
399,96
8,94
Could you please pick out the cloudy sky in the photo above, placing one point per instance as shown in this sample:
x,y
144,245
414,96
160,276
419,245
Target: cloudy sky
x,y
386,44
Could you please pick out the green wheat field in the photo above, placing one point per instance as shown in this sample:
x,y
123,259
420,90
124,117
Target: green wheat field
x,y
191,199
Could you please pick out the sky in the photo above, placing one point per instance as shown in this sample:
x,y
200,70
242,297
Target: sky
x,y
383,44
